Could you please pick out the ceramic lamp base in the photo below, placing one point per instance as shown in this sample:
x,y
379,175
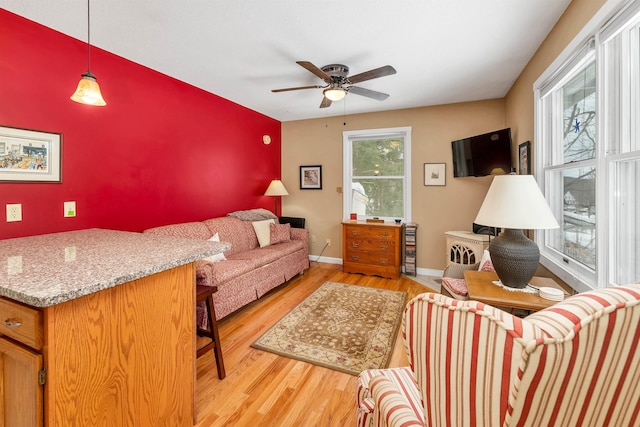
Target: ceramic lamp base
x,y
515,258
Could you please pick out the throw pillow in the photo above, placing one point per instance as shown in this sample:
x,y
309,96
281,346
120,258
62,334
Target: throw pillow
x,y
485,262
263,231
280,233
217,257
456,271
456,287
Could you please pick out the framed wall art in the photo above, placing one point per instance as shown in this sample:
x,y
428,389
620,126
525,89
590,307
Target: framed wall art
x,y
311,177
29,155
524,158
434,174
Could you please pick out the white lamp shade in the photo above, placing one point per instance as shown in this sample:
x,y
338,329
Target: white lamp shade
x,y
515,201
276,188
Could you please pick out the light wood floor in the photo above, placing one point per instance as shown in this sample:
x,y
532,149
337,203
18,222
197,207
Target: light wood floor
x,y
263,389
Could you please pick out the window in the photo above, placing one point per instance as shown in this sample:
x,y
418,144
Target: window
x,y
377,170
588,156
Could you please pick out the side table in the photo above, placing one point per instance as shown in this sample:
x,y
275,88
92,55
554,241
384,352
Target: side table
x,y
205,293
481,288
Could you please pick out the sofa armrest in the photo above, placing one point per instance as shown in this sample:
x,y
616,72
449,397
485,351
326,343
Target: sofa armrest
x,y
300,234
204,272
391,407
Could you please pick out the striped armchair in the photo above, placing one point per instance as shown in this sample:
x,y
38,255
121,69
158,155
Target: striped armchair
x,y
576,363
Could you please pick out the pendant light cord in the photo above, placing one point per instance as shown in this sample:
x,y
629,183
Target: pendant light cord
x,y
88,38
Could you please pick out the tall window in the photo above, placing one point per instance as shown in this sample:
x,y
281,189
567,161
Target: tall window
x,y
588,156
376,174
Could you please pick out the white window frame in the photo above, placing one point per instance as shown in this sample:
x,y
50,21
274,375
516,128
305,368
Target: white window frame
x,y
610,20
347,156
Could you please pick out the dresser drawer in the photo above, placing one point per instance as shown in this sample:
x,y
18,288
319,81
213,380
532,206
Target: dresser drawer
x,y
22,323
368,232
370,258
387,246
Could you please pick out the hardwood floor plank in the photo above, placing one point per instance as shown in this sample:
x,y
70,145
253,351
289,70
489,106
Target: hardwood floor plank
x,y
262,388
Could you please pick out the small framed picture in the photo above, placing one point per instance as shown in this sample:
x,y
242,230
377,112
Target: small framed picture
x,y
311,177
30,155
434,174
524,158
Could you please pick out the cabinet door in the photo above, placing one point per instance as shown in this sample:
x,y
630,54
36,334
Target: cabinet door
x,y
20,392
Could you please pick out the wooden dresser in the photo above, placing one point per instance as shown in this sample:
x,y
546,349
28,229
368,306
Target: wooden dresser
x,y
372,248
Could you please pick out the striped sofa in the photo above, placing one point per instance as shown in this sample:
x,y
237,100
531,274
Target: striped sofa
x,y
576,363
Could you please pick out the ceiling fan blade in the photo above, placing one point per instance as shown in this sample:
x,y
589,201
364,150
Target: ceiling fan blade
x,y
387,70
326,102
296,88
368,93
315,70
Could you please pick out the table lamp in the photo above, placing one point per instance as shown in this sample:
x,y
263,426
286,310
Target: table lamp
x,y
276,188
514,203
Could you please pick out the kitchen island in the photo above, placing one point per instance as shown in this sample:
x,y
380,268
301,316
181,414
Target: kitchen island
x,y
97,327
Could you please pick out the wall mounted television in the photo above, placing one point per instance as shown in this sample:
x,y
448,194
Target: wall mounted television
x,y
481,155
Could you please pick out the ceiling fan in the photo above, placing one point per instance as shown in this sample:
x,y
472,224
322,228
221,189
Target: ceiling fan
x,y
338,82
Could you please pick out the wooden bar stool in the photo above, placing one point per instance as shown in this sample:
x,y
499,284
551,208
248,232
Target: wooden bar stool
x,y
205,293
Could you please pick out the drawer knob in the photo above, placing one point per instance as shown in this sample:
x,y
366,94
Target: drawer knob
x,y
12,322
383,247
355,257
356,245
383,260
384,234
355,232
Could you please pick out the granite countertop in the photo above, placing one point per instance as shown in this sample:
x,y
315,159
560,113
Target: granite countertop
x,y
49,269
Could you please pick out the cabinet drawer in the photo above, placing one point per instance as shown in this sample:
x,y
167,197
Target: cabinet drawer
x,y
370,258
22,323
368,232
386,246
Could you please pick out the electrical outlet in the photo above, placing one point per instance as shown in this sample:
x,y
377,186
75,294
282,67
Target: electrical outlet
x,y
14,212
328,242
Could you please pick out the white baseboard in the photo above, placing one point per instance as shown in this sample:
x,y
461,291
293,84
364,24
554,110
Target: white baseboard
x,y
328,260
429,272
331,260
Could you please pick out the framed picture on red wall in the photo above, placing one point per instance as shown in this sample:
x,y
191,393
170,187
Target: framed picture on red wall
x,y
29,155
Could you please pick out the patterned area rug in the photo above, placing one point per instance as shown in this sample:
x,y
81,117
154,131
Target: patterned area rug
x,y
343,327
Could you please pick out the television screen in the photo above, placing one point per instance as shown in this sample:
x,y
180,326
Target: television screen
x,y
481,155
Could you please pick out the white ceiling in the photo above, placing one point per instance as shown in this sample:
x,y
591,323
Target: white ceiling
x,y
444,51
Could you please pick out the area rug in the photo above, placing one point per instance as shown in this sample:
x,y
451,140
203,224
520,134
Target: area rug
x,y
344,327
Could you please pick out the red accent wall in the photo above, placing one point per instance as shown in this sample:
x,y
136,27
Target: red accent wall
x,y
161,151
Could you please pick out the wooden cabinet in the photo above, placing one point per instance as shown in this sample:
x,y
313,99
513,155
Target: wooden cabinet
x,y
21,373
122,356
372,248
20,391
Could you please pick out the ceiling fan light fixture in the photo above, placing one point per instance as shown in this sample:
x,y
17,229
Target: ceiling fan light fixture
x,y
334,93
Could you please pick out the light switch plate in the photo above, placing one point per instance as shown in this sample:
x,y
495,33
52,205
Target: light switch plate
x,y
69,209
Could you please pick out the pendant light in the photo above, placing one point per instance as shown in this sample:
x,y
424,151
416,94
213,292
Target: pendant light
x,y
88,91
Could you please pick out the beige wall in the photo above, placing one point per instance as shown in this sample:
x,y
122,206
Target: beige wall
x,y
435,209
